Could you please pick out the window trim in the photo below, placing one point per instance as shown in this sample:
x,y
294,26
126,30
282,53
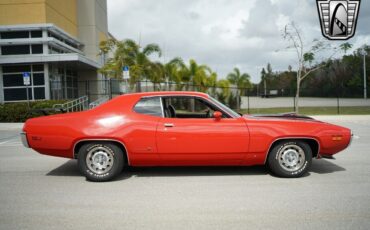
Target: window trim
x,y
160,101
186,95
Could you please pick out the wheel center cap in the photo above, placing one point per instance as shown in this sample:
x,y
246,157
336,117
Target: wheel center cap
x,y
100,158
291,158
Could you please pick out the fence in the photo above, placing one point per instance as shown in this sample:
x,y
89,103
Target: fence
x,y
251,100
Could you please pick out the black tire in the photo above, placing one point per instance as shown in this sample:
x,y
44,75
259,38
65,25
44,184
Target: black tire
x,y
100,161
290,159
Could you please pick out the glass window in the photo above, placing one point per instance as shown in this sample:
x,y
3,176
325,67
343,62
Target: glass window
x,y
15,34
36,34
225,108
39,92
36,49
10,80
16,68
149,106
187,107
14,50
38,68
17,94
38,79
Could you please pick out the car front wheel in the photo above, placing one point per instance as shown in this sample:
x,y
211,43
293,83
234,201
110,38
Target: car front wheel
x,y
100,161
290,159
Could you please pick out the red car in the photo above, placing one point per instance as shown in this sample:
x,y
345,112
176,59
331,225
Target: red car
x,y
181,129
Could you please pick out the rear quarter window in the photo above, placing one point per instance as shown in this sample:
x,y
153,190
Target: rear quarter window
x,y
149,106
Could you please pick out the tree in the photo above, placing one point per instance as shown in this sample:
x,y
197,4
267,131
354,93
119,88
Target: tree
x,y
224,84
345,47
129,53
171,70
263,79
292,34
241,81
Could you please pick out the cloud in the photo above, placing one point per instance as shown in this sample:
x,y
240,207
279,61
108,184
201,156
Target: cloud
x,y
221,33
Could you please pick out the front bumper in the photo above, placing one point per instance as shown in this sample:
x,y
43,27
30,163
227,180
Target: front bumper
x,y
24,140
350,141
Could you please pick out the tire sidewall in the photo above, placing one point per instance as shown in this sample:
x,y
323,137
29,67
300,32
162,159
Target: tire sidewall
x,y
117,162
278,170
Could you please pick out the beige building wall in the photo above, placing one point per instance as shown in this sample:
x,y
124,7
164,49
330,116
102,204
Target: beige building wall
x,y
13,12
83,19
61,13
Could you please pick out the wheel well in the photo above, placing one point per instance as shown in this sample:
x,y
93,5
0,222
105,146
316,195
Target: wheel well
x,y
314,145
79,144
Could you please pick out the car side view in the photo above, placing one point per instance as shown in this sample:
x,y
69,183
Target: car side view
x,y
181,129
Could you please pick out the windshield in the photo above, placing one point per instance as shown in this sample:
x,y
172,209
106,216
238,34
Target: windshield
x,y
224,107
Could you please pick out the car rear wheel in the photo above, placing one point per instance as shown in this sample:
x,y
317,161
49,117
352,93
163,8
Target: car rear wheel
x,y
100,161
290,159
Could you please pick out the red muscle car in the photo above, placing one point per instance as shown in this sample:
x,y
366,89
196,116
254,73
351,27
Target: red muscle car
x,y
181,129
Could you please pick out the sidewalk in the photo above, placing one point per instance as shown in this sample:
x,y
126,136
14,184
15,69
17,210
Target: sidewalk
x,y
11,126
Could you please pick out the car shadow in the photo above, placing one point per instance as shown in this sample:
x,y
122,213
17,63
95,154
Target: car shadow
x,y
70,168
323,166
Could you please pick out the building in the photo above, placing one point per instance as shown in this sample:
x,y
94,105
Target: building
x,y
57,42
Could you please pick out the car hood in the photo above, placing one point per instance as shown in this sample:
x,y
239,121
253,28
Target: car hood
x,y
282,116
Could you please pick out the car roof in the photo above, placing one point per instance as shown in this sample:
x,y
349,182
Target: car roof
x,y
169,93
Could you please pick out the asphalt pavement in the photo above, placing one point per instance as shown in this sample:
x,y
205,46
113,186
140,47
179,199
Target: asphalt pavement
x,y
43,192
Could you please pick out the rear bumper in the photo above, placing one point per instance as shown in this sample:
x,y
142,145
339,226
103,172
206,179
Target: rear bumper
x,y
24,140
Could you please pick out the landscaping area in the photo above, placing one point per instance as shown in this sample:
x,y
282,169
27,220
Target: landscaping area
x,y
21,111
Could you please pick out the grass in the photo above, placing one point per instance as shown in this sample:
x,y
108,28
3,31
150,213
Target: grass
x,y
355,110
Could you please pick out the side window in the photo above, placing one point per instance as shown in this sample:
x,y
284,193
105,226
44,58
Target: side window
x,y
187,107
149,106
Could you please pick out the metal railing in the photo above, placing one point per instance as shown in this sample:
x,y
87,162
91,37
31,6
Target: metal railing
x,y
99,101
78,104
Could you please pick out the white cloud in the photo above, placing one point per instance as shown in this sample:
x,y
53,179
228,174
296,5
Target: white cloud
x,y
223,33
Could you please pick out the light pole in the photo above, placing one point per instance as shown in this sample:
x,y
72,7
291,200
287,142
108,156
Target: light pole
x,y
364,53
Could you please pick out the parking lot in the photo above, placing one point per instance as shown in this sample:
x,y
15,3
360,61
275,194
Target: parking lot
x,y
42,192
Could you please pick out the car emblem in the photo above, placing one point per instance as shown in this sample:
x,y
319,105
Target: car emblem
x,y
338,18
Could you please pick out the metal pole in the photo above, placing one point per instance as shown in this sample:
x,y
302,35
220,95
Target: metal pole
x,y
28,98
338,104
365,84
248,101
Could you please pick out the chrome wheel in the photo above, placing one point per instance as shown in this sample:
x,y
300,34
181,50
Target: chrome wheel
x,y
99,159
291,157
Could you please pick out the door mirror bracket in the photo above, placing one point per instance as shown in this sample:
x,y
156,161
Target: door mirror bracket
x,y
217,115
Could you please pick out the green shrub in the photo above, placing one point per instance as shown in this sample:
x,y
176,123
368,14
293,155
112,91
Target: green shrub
x,y
20,112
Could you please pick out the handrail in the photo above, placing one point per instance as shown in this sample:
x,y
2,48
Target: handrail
x,y
99,101
78,104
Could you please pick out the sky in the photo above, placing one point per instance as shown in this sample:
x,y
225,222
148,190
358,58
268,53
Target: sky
x,y
226,33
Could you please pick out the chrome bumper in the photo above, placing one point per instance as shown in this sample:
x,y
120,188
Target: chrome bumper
x,y
24,140
350,141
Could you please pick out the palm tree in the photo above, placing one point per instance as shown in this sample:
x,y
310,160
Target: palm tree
x,y
224,85
155,72
129,53
345,47
241,81
171,71
197,75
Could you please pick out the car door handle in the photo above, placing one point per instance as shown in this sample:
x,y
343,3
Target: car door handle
x,y
168,125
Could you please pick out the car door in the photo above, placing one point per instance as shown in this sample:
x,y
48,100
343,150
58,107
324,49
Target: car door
x,y
201,140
